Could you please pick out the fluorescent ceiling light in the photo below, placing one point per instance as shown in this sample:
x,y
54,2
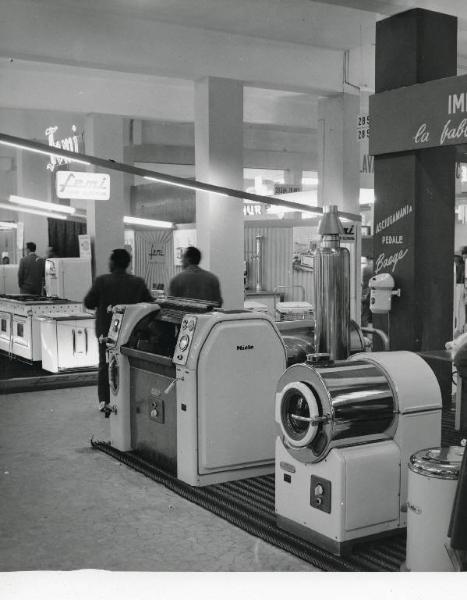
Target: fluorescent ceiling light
x,y
182,185
42,205
33,211
33,146
44,152
8,225
147,222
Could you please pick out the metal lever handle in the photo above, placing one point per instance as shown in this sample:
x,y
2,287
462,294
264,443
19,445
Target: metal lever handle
x,y
313,420
170,387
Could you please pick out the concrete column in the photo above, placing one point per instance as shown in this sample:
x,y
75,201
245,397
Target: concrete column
x,y
105,137
339,173
219,160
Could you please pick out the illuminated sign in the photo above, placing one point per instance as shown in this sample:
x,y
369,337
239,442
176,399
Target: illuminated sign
x,y
252,210
70,143
82,186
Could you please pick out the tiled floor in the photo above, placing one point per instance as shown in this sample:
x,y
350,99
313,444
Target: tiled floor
x,y
65,506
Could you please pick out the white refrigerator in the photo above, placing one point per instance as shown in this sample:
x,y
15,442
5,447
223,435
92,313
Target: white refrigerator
x,y
9,279
68,278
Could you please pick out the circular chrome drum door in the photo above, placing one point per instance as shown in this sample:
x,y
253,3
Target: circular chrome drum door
x,y
299,410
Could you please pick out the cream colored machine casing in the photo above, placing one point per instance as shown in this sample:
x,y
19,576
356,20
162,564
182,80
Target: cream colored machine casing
x,y
217,406
347,431
124,319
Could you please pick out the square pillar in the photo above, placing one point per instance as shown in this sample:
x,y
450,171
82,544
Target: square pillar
x,y
339,173
415,194
219,160
105,137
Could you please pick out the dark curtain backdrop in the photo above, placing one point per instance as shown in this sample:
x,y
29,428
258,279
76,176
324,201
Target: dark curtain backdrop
x,y
63,236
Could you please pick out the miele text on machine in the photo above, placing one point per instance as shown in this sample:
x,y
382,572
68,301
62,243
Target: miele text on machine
x,y
245,347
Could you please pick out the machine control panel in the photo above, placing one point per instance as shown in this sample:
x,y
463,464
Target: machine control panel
x,y
320,493
185,337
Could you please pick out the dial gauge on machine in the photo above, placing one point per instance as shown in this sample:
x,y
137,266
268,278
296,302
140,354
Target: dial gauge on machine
x,y
183,343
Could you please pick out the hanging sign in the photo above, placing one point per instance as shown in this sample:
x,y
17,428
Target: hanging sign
x,y
363,127
70,143
82,186
426,115
84,242
157,253
253,210
349,234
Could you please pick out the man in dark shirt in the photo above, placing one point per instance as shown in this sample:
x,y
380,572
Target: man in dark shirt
x,y
31,272
116,287
194,282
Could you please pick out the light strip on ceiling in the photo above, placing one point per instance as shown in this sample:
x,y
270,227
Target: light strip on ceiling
x,y
147,222
187,186
33,211
53,151
8,225
42,205
33,146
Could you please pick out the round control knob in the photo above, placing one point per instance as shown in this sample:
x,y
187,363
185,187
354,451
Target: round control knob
x,y
191,325
184,324
319,491
183,343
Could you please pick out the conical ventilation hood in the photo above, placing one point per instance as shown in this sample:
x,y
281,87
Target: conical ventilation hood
x,y
330,223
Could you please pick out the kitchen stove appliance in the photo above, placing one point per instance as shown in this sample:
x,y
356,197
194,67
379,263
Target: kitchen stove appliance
x,y
24,339
347,431
193,388
68,341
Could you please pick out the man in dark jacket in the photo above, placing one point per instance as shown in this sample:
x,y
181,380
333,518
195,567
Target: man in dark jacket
x,y
116,287
31,272
194,282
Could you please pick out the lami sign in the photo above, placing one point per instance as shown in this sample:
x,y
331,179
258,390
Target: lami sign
x,y
70,143
82,186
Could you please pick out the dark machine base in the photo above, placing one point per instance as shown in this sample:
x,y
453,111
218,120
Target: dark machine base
x,y
18,376
338,548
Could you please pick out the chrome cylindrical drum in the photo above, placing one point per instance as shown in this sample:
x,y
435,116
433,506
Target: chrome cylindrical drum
x,y
320,408
331,279
432,483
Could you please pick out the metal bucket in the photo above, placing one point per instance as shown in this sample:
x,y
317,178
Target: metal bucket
x,y
432,482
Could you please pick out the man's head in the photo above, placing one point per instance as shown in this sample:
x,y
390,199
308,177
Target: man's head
x,y
51,252
191,256
119,260
30,247
464,252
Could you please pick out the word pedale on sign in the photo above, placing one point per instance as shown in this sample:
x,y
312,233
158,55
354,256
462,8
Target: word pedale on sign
x,y
426,115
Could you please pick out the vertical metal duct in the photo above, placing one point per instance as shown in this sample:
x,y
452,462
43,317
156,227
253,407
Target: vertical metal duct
x,y
259,263
332,289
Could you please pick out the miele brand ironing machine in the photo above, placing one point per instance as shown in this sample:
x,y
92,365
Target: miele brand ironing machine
x,y
347,431
192,388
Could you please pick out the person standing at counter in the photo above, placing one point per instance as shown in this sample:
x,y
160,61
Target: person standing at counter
x,y
194,282
116,287
31,272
